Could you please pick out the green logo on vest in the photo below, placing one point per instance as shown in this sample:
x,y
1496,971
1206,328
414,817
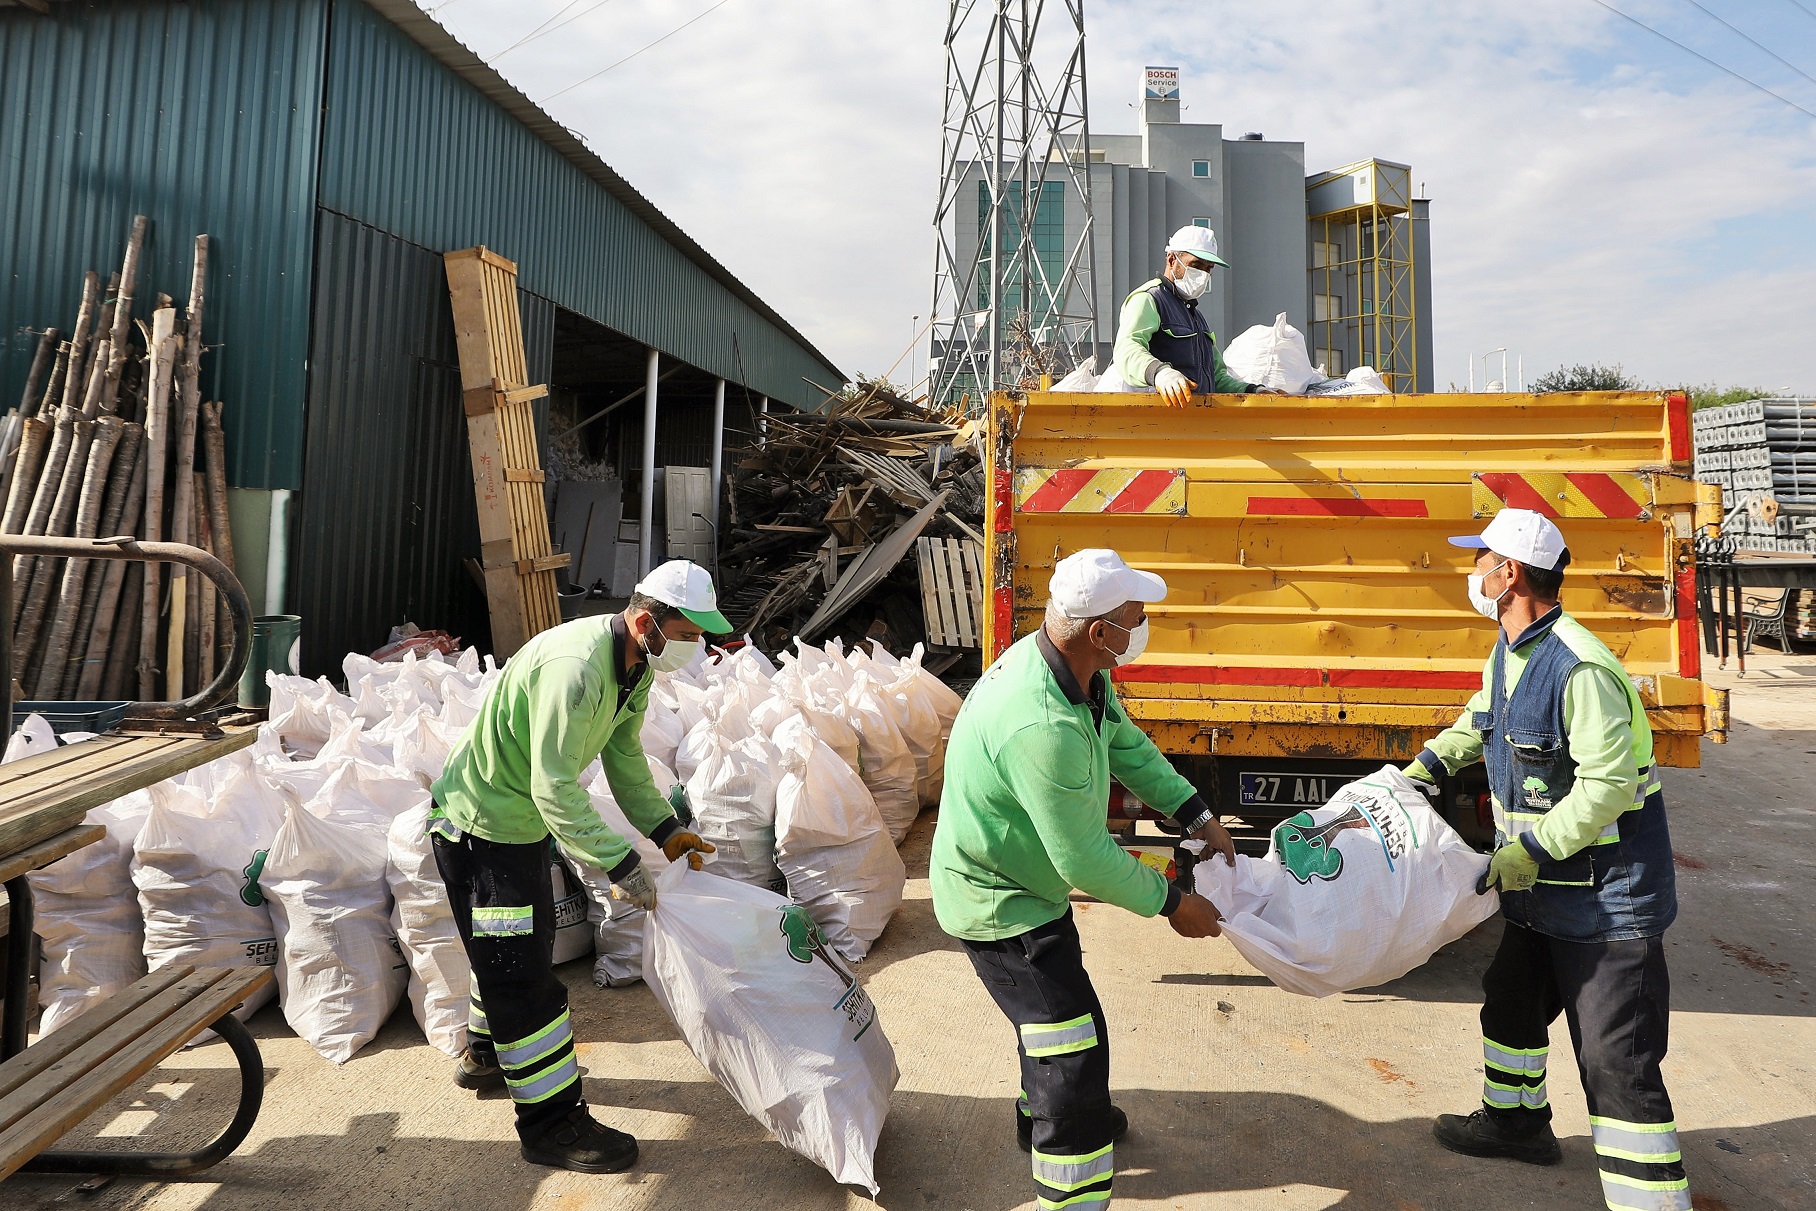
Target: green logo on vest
x,y
1537,793
1307,849
250,895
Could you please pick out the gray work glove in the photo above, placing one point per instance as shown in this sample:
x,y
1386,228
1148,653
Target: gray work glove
x,y
636,888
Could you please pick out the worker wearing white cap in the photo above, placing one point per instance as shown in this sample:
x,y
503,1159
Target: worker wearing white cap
x,y
1023,822
573,694
1163,341
1583,863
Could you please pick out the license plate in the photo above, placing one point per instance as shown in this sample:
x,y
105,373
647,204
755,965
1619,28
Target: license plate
x,y
1289,790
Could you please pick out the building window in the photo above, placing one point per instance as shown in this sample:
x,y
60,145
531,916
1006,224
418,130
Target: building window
x,y
1049,242
1201,222
1332,361
1326,256
1201,168
1326,308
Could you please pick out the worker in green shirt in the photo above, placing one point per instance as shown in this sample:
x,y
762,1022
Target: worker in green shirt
x,y
1163,341
1583,863
572,694
1023,821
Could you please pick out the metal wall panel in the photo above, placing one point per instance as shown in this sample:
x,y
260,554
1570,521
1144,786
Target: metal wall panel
x,y
410,147
386,516
202,116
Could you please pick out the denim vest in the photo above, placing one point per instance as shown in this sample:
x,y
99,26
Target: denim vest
x,y
1183,340
1619,886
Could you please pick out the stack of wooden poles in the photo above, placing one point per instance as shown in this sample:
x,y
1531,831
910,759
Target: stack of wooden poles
x,y
112,437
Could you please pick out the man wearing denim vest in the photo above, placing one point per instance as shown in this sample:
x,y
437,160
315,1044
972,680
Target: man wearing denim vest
x,y
1583,864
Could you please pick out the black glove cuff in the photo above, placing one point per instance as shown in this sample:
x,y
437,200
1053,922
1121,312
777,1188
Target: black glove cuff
x,y
664,831
1174,896
618,873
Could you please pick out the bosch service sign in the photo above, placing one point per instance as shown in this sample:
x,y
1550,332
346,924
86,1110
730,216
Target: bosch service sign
x,y
1162,84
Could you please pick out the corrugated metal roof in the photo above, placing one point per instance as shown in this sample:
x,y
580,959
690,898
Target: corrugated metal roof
x,y
204,117
386,511
451,160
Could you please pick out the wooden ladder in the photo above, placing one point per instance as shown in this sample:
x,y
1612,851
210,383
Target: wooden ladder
x,y
515,554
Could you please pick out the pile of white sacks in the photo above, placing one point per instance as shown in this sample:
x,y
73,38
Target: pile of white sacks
x,y
309,851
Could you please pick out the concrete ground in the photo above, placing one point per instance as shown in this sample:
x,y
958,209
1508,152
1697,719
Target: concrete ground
x,y
1239,1095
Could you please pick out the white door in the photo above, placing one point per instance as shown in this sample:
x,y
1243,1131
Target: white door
x,y
690,509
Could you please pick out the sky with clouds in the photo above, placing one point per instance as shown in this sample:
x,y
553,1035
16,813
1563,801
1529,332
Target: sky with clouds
x,y
1598,194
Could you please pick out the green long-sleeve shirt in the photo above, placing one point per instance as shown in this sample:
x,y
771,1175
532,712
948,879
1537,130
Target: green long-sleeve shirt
x,y
1139,321
514,777
1022,818
1609,738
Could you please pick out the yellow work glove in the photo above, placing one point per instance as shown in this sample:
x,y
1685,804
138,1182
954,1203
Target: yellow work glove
x,y
685,843
1512,868
1422,778
1175,388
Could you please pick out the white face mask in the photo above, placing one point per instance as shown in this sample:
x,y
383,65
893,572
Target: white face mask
x,y
1192,282
1488,607
676,654
1138,642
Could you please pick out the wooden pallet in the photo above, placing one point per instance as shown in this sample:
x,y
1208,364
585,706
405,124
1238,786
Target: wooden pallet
x,y
952,591
515,554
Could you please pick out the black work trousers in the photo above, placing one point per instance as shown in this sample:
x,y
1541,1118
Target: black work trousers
x,y
1616,997
1038,980
504,906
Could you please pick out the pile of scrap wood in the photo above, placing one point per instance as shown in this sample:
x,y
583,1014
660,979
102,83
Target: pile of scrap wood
x,y
112,437
836,515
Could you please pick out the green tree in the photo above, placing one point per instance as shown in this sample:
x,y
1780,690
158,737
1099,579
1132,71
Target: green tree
x,y
1712,395
1594,377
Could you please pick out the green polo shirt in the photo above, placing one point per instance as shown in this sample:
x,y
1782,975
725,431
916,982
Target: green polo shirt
x,y
514,777
1023,817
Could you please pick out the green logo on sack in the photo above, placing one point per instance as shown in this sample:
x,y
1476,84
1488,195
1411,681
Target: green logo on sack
x,y
1307,849
250,895
806,942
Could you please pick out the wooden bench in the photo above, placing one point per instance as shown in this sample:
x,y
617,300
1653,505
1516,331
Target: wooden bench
x,y
63,1078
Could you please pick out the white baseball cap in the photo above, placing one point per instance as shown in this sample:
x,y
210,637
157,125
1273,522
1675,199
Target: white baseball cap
x,y
686,585
1092,582
1197,241
1519,534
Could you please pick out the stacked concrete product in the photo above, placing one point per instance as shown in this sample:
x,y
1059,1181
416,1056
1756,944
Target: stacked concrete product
x,y
1757,450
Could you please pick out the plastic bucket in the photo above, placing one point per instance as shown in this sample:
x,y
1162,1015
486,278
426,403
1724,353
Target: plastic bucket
x,y
276,644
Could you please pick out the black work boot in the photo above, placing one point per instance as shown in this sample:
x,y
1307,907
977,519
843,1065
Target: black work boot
x,y
1484,1134
469,1073
1024,1128
581,1143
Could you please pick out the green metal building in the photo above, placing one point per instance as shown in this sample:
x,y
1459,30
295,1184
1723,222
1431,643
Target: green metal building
x,y
333,150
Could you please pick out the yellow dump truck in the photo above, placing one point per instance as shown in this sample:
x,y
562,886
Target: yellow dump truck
x,y
1317,623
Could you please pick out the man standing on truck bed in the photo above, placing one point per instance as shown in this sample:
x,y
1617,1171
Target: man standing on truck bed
x,y
1163,341
571,694
1584,868
1022,822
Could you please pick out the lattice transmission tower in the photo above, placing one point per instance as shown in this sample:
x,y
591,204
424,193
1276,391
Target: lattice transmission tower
x,y
1014,295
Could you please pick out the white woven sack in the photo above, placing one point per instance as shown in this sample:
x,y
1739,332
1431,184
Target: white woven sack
x,y
441,979
301,710
886,764
733,793
1271,355
662,732
340,970
196,864
1352,894
832,846
772,1013
87,917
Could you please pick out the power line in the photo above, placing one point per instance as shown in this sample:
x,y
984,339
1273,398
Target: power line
x,y
1800,4
1712,63
664,38
1756,42
545,28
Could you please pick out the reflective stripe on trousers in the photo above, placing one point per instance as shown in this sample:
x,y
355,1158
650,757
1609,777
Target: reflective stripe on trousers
x,y
1513,1077
1641,1165
1058,1038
